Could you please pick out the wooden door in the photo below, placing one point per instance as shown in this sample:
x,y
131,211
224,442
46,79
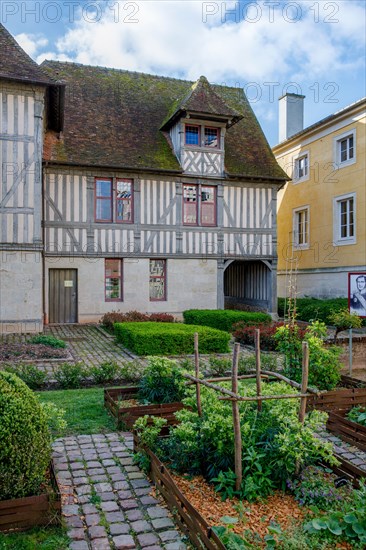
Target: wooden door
x,y
63,296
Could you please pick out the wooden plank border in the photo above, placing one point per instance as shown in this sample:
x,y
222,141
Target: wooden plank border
x,y
347,430
127,416
337,400
23,513
185,515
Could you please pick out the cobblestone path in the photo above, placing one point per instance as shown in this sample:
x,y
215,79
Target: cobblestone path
x,y
90,344
345,450
106,499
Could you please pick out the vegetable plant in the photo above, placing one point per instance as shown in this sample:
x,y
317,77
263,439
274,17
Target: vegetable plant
x,y
357,414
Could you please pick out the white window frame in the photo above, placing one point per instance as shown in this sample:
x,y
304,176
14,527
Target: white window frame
x,y
296,161
295,215
337,148
338,240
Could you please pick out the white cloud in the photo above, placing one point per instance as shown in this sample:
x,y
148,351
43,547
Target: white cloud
x,y
186,39
31,43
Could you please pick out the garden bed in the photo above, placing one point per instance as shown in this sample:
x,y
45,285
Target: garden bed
x,y
31,352
121,404
24,513
185,515
346,429
336,400
351,382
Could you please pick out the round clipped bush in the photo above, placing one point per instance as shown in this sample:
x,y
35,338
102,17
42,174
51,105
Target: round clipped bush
x,y
25,448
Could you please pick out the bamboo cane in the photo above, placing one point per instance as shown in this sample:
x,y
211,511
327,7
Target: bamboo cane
x,y
236,421
258,366
197,371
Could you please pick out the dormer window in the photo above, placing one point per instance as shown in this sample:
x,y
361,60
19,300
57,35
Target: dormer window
x,y
202,136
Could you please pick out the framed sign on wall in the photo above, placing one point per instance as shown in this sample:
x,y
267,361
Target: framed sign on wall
x,y
357,293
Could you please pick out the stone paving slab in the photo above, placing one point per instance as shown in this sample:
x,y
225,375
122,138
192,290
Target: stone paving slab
x,y
345,450
99,515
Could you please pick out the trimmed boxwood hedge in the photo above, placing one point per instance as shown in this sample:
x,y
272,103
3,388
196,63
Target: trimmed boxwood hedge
x,y
223,319
170,338
315,309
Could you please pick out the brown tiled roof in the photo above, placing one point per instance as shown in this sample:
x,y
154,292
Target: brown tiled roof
x,y
113,119
202,98
15,64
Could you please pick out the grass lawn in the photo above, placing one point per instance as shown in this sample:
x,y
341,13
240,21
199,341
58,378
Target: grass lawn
x,y
50,538
84,411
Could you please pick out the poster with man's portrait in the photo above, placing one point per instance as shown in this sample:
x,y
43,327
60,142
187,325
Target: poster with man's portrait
x,y
357,293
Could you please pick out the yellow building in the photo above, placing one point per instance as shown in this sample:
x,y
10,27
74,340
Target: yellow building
x,y
322,210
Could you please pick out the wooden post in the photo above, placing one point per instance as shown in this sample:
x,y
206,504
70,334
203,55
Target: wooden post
x,y
304,381
197,371
258,366
236,420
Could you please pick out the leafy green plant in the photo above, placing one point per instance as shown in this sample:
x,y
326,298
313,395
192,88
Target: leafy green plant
x,y
350,526
162,381
105,372
247,363
48,340
70,375
324,367
225,484
55,418
219,366
256,475
148,429
357,414
231,540
223,319
25,450
315,486
170,338
131,371
30,374
343,320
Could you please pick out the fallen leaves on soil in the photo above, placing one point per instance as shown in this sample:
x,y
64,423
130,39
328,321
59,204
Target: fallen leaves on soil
x,y
255,516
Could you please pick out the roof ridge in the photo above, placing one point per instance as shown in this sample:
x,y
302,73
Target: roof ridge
x,y
46,62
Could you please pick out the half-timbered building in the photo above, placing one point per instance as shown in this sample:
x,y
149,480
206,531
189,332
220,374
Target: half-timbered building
x,y
158,195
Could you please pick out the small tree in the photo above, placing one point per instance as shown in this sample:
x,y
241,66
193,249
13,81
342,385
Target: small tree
x,y
344,320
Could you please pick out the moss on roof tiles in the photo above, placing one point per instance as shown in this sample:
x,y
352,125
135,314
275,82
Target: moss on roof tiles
x,y
15,64
113,118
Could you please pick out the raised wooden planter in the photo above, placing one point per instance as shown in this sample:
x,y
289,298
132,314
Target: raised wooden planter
x,y
351,382
349,431
127,416
23,513
337,400
185,515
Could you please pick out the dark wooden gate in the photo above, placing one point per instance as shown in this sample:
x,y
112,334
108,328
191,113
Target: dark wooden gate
x,y
63,296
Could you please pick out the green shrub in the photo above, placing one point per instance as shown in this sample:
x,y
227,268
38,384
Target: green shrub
x,y
223,319
105,372
25,450
48,340
131,371
70,375
343,319
219,366
162,381
324,366
30,374
109,319
170,338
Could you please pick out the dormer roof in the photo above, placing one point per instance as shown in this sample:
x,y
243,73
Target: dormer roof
x,y
16,65
201,101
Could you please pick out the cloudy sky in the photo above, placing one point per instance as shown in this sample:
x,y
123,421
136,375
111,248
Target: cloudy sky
x,y
267,47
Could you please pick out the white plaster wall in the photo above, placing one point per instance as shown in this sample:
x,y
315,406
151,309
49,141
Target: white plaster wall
x,y
190,284
20,292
